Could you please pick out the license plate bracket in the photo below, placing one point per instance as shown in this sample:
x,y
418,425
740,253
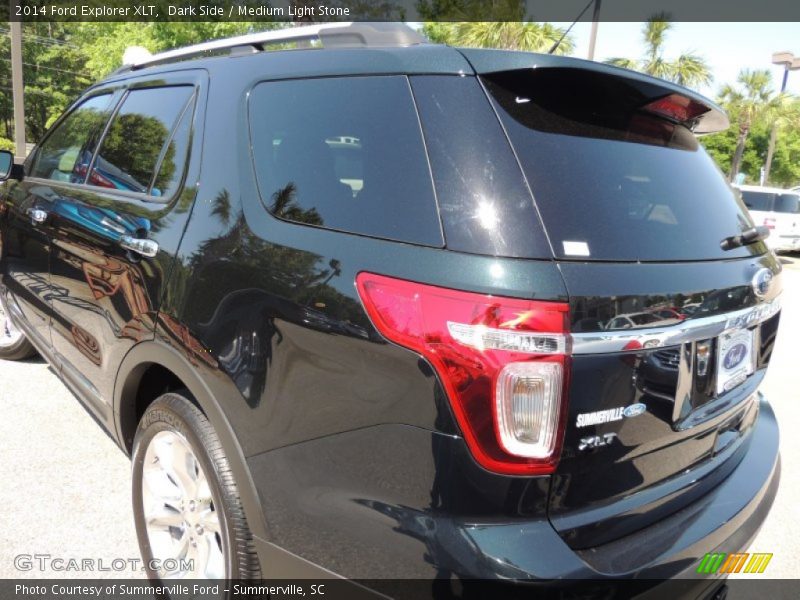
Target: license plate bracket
x,y
734,359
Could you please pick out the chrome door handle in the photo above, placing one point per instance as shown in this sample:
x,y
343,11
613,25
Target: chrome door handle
x,y
147,248
37,215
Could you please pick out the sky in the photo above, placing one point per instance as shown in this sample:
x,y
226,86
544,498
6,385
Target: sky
x,y
726,47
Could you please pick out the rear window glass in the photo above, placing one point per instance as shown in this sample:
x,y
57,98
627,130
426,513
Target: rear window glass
x,y
345,153
610,182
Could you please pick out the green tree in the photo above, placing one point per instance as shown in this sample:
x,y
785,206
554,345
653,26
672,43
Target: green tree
x,y
105,43
53,72
509,35
509,29
687,69
751,99
786,161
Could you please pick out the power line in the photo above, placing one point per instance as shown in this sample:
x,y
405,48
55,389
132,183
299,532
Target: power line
x,y
34,92
40,39
50,68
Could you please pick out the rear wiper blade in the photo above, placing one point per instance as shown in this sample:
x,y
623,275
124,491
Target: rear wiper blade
x,y
747,237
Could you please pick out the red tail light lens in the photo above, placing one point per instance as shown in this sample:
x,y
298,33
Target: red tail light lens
x,y
769,223
676,108
502,361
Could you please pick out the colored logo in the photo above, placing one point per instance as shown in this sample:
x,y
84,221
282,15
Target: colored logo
x,y
761,282
734,356
736,562
634,410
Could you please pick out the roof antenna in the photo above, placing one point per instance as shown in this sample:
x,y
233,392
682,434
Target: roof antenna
x,y
578,18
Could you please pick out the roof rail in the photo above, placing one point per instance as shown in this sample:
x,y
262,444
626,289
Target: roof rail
x,y
330,34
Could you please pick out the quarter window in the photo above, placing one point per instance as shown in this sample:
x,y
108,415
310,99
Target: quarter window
x,y
66,153
345,153
148,136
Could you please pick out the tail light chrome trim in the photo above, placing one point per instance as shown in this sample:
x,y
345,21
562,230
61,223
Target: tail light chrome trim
x,y
689,330
490,338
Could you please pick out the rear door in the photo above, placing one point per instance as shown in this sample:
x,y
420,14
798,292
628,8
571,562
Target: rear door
x,y
28,205
671,334
116,225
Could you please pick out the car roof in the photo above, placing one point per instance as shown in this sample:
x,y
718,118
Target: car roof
x,y
763,188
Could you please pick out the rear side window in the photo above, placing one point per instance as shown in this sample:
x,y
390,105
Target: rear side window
x,y
485,205
67,151
612,183
344,153
758,200
787,203
139,152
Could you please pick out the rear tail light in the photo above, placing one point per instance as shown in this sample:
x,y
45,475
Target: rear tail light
x,y
502,361
676,108
769,223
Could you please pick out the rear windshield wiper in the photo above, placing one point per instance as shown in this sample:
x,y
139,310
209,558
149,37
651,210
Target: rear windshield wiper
x,y
747,237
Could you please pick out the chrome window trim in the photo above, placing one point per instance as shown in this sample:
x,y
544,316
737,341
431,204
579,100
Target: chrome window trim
x,y
690,330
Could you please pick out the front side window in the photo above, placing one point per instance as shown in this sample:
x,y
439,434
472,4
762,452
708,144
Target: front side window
x,y
140,143
66,153
344,153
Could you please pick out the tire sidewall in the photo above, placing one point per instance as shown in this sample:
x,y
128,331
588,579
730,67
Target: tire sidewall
x,y
163,417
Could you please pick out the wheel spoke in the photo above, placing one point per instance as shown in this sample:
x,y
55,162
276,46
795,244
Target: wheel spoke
x,y
179,508
165,517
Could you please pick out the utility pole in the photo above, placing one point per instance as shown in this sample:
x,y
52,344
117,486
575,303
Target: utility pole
x,y
790,63
16,84
593,34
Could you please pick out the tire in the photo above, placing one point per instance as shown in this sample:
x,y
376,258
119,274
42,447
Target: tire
x,y
175,502
13,343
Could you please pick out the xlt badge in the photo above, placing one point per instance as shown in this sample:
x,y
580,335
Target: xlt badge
x,y
596,441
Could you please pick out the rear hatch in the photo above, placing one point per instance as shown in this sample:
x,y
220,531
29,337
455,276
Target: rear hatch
x,y
671,335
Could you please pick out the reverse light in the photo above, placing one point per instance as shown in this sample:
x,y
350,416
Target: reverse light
x,y
676,108
502,362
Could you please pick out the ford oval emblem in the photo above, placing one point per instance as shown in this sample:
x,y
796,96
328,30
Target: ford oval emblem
x,y
761,282
734,356
634,410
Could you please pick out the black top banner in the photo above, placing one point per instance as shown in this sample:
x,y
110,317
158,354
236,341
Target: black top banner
x,y
398,10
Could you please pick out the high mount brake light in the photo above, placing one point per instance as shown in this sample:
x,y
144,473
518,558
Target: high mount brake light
x,y
502,362
676,108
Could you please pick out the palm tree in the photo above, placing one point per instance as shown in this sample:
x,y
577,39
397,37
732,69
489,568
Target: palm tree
x,y
751,99
688,69
508,35
787,116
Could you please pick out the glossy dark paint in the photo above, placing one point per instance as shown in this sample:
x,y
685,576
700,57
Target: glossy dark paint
x,y
343,445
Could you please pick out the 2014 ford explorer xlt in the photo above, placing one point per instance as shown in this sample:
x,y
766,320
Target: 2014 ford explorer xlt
x,y
369,310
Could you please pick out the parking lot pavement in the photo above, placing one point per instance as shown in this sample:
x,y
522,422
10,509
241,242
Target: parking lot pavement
x,y
66,485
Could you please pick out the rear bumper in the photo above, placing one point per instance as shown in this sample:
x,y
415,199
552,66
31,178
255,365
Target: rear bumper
x,y
724,520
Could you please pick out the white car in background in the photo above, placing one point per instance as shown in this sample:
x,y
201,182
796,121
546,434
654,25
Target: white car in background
x,y
777,209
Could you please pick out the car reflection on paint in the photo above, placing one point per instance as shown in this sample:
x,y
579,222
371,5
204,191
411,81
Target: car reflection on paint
x,y
642,319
